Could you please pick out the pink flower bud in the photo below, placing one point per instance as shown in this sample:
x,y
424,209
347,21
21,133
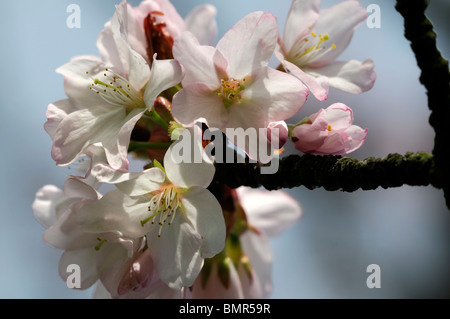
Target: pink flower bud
x,y
329,132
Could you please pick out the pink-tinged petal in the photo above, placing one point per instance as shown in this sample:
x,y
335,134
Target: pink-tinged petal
x,y
195,170
201,21
250,283
334,144
306,139
317,85
279,95
84,127
249,44
339,116
78,77
116,212
107,48
198,61
176,253
119,160
198,102
205,214
358,136
164,75
133,62
174,22
302,15
74,188
56,112
259,252
339,22
215,289
67,234
349,76
269,211
148,181
44,204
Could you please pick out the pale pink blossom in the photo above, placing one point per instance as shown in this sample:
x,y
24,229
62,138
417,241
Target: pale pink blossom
x,y
314,38
329,131
231,86
105,101
181,220
95,254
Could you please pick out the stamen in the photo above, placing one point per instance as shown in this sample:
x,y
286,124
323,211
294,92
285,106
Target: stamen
x,y
229,91
310,48
112,91
165,204
329,128
100,244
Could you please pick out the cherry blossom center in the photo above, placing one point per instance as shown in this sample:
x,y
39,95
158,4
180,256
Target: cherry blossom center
x,y
163,206
116,90
309,48
229,90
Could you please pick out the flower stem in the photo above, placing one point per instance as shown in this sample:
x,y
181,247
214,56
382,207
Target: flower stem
x,y
157,119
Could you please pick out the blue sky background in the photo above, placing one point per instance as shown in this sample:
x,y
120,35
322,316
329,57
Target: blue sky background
x,y
404,230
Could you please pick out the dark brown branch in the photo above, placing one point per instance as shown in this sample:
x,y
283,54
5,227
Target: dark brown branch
x,y
435,77
335,172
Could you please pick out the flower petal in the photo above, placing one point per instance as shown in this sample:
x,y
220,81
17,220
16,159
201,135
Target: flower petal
x,y
259,252
116,212
197,60
44,204
349,76
201,21
109,126
78,78
164,75
197,102
339,22
279,95
269,211
318,86
302,15
133,62
176,253
195,170
148,181
205,214
358,136
249,44
56,112
339,116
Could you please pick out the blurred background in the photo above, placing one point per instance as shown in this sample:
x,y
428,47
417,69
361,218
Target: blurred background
x,y
406,231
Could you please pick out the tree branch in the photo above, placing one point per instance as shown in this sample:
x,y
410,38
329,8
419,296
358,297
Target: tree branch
x,y
334,172
435,77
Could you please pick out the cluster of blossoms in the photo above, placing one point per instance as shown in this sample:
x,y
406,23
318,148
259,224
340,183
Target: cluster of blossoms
x,y
170,230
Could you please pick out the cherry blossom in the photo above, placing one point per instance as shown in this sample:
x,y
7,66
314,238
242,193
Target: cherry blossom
x,y
181,220
104,103
312,40
329,131
231,85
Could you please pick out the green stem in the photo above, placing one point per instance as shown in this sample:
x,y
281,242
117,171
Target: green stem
x,y
158,119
